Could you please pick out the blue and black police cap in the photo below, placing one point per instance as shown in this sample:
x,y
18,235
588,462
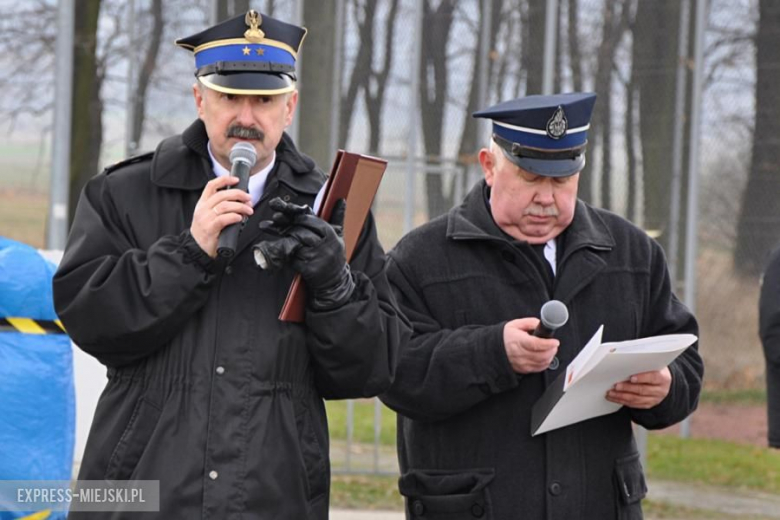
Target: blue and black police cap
x,y
545,135
248,54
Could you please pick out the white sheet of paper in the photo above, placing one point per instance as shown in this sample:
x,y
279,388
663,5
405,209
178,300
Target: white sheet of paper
x,y
605,364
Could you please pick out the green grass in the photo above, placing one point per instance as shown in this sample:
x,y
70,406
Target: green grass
x,y
21,167
23,217
365,492
713,462
670,457
754,396
363,422
381,493
662,511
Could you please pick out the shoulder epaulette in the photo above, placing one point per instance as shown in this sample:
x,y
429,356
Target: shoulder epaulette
x,y
126,162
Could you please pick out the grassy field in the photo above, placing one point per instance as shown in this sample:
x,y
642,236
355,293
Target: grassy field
x,y
363,421
381,493
669,458
750,396
23,216
713,462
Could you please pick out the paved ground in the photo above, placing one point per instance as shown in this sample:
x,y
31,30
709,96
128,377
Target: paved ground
x,y
733,504
745,424
737,503
342,514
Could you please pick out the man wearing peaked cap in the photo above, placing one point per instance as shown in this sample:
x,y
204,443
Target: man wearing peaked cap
x,y
473,282
248,54
208,392
544,135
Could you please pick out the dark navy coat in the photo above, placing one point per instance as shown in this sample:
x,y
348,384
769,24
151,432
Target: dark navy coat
x,y
208,391
769,329
465,447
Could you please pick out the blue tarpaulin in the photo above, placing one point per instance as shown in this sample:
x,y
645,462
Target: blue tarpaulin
x,y
37,396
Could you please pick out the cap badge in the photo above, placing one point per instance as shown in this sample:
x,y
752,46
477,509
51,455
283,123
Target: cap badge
x,y
557,125
253,20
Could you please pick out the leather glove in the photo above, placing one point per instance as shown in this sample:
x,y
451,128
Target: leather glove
x,y
312,247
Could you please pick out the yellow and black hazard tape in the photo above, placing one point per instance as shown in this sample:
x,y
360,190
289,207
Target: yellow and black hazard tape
x,y
29,326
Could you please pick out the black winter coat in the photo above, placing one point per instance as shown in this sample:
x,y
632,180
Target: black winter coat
x,y
769,329
464,431
208,391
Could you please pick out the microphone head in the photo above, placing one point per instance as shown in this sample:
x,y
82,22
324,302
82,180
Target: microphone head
x,y
554,314
244,152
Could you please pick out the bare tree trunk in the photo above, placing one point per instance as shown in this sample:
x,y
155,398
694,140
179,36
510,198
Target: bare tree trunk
x,y
469,141
87,125
533,46
615,24
557,75
230,8
514,37
758,229
361,71
656,68
434,69
375,88
317,76
631,206
575,58
147,69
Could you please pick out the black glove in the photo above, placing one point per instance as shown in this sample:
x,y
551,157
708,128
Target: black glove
x,y
312,247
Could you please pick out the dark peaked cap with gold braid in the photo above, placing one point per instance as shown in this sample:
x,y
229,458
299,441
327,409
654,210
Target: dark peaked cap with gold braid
x,y
248,54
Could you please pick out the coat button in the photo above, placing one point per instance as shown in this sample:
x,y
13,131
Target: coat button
x,y
220,370
477,510
554,364
555,488
213,475
418,508
229,270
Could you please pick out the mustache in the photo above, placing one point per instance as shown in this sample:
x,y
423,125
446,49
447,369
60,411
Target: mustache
x,y
541,211
245,132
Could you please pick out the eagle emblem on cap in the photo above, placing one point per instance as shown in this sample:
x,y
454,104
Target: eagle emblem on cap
x,y
558,124
253,20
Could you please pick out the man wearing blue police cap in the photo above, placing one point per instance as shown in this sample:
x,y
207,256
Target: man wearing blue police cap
x,y
473,281
209,393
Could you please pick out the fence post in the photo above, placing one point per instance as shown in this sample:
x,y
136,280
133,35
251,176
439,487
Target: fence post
x,y
414,103
57,225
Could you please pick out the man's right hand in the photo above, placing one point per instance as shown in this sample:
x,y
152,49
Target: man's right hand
x,y
527,353
217,209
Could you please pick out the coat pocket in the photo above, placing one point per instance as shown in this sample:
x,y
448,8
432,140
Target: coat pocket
x,y
630,487
133,441
313,455
451,495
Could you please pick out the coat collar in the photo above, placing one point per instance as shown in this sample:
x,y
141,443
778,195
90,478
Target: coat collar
x,y
182,162
472,221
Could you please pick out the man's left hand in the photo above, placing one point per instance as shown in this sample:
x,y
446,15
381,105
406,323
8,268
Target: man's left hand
x,y
312,247
643,390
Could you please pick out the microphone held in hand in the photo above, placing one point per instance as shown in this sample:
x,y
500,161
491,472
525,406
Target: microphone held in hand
x,y
553,316
242,158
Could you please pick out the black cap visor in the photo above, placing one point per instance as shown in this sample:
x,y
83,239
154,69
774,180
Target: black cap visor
x,y
548,167
249,83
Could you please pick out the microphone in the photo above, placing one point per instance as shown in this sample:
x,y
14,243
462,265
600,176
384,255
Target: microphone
x,y
242,158
553,315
